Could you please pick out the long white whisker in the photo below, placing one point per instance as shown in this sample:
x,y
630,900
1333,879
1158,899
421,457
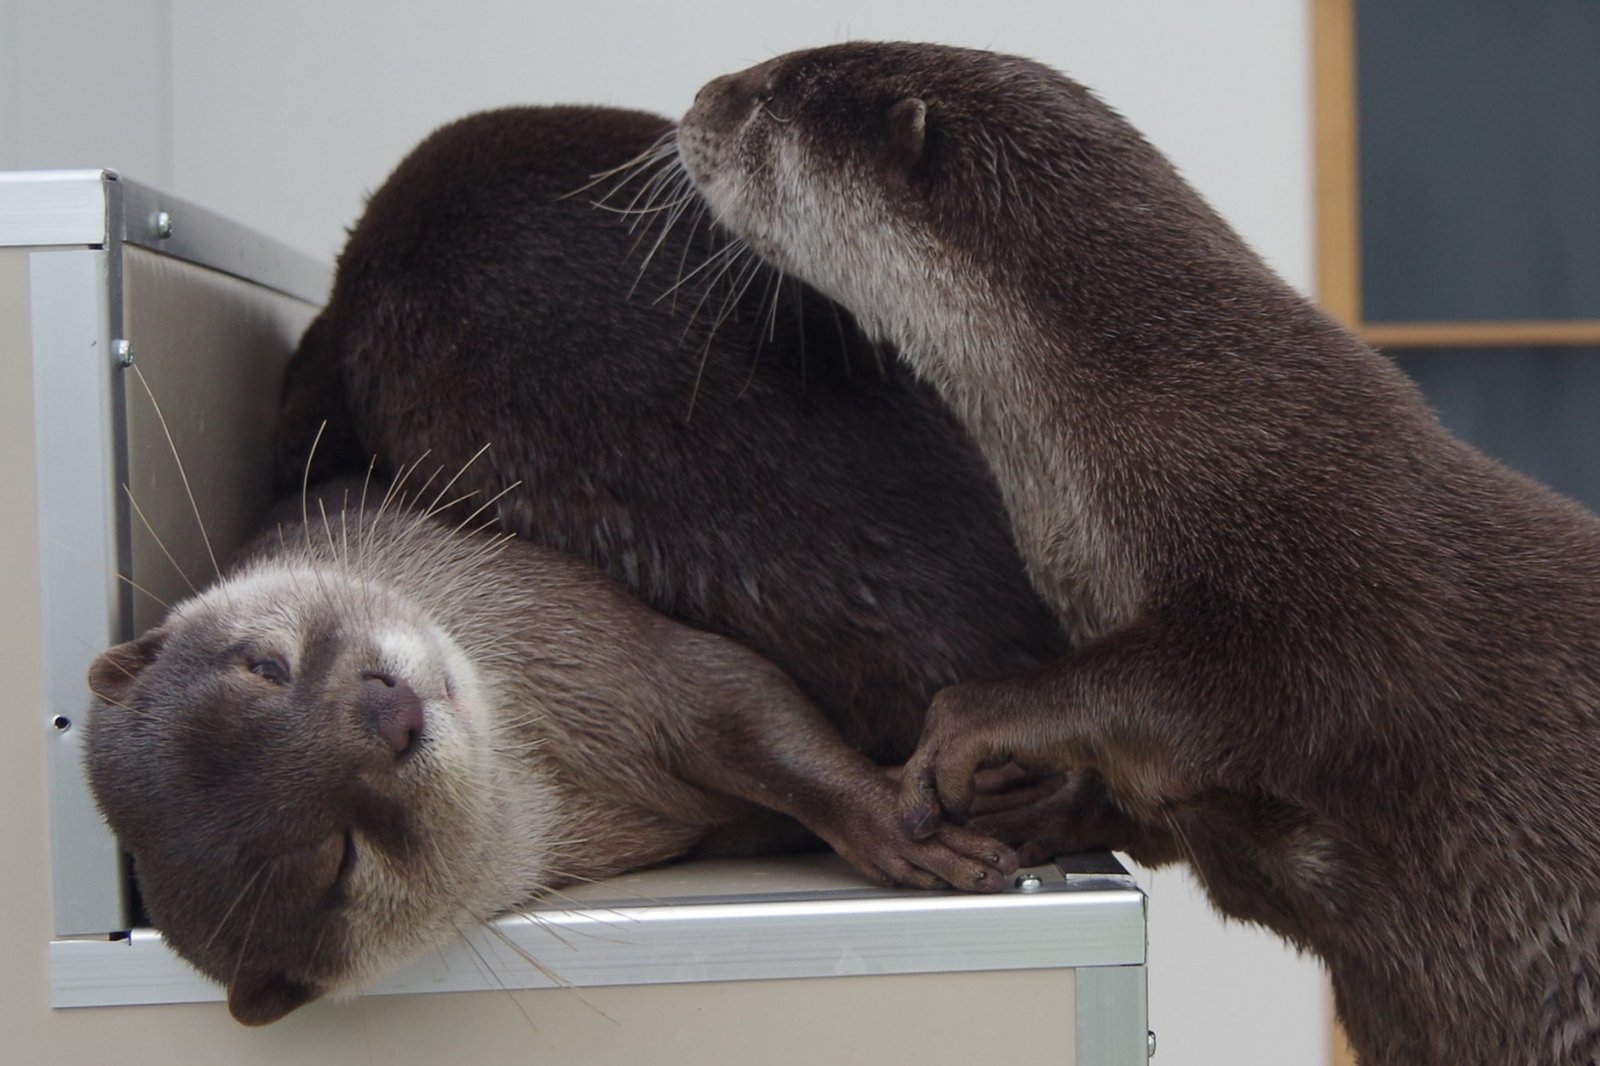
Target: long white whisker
x,y
182,474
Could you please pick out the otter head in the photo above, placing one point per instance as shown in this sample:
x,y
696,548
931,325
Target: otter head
x,y
935,192
295,760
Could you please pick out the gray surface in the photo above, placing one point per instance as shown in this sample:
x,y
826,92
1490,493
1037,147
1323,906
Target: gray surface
x,y
74,400
799,917
78,231
104,209
1480,159
1112,1017
1535,409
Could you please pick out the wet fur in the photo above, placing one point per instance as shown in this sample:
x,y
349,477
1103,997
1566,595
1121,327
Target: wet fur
x,y
1343,664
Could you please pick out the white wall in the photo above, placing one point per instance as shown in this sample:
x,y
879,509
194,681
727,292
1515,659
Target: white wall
x,y
284,114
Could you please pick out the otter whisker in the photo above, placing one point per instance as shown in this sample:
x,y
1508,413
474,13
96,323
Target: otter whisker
x,y
728,251
651,192
745,265
161,544
433,508
667,226
489,971
554,977
650,208
99,564
769,298
178,460
679,190
255,912
665,144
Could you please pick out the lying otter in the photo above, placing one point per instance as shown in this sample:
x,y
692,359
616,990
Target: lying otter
x,y
313,785
376,731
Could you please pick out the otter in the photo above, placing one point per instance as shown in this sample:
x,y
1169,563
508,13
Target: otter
x,y
806,499
1340,662
739,457
376,731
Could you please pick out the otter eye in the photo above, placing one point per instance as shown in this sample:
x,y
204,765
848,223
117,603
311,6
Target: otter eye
x,y
270,667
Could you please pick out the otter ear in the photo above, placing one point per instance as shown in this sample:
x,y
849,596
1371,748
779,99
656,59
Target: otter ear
x,y
114,670
908,131
263,998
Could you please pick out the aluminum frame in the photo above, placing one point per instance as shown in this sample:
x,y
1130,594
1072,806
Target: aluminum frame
x,y
1086,913
74,226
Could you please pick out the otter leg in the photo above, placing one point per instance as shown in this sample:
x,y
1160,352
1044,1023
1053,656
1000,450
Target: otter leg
x,y
754,735
1079,815
1103,707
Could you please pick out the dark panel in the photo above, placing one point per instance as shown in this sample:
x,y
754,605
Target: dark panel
x,y
1480,158
1535,409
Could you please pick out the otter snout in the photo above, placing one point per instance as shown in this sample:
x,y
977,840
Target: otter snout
x,y
391,709
722,104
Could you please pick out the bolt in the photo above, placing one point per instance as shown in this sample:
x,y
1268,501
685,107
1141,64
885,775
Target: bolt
x,y
162,224
123,350
1029,883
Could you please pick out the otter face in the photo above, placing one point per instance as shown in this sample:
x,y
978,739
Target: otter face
x,y
930,190
811,173
295,760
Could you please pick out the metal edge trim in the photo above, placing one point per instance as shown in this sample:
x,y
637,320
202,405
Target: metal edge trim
x,y
76,402
50,207
46,208
674,944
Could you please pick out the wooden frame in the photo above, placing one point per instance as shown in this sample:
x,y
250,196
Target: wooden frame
x,y
1338,212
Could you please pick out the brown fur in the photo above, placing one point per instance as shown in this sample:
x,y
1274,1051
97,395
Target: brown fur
x,y
290,841
741,460
1343,664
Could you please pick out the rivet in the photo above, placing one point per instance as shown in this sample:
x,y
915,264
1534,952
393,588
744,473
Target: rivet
x,y
1150,1043
123,350
1029,883
162,224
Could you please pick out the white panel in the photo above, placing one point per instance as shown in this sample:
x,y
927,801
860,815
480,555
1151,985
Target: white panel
x,y
74,401
846,928
48,207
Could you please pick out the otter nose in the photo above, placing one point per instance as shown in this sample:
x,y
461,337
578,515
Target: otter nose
x,y
725,102
392,709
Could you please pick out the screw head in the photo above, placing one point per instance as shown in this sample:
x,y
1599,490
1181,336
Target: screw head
x,y
1028,883
123,350
162,224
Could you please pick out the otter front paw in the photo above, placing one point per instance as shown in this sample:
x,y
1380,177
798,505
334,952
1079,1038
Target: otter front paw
x,y
868,835
1079,816
969,726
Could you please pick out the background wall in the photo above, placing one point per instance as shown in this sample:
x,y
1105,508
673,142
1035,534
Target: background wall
x,y
284,115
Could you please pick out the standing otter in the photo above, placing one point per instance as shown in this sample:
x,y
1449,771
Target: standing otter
x,y
1343,664
376,732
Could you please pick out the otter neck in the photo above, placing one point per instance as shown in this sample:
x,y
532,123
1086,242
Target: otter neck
x,y
1083,566
1086,421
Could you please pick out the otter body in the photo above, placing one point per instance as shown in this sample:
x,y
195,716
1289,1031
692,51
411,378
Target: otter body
x,y
794,493
737,455
1343,664
376,732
